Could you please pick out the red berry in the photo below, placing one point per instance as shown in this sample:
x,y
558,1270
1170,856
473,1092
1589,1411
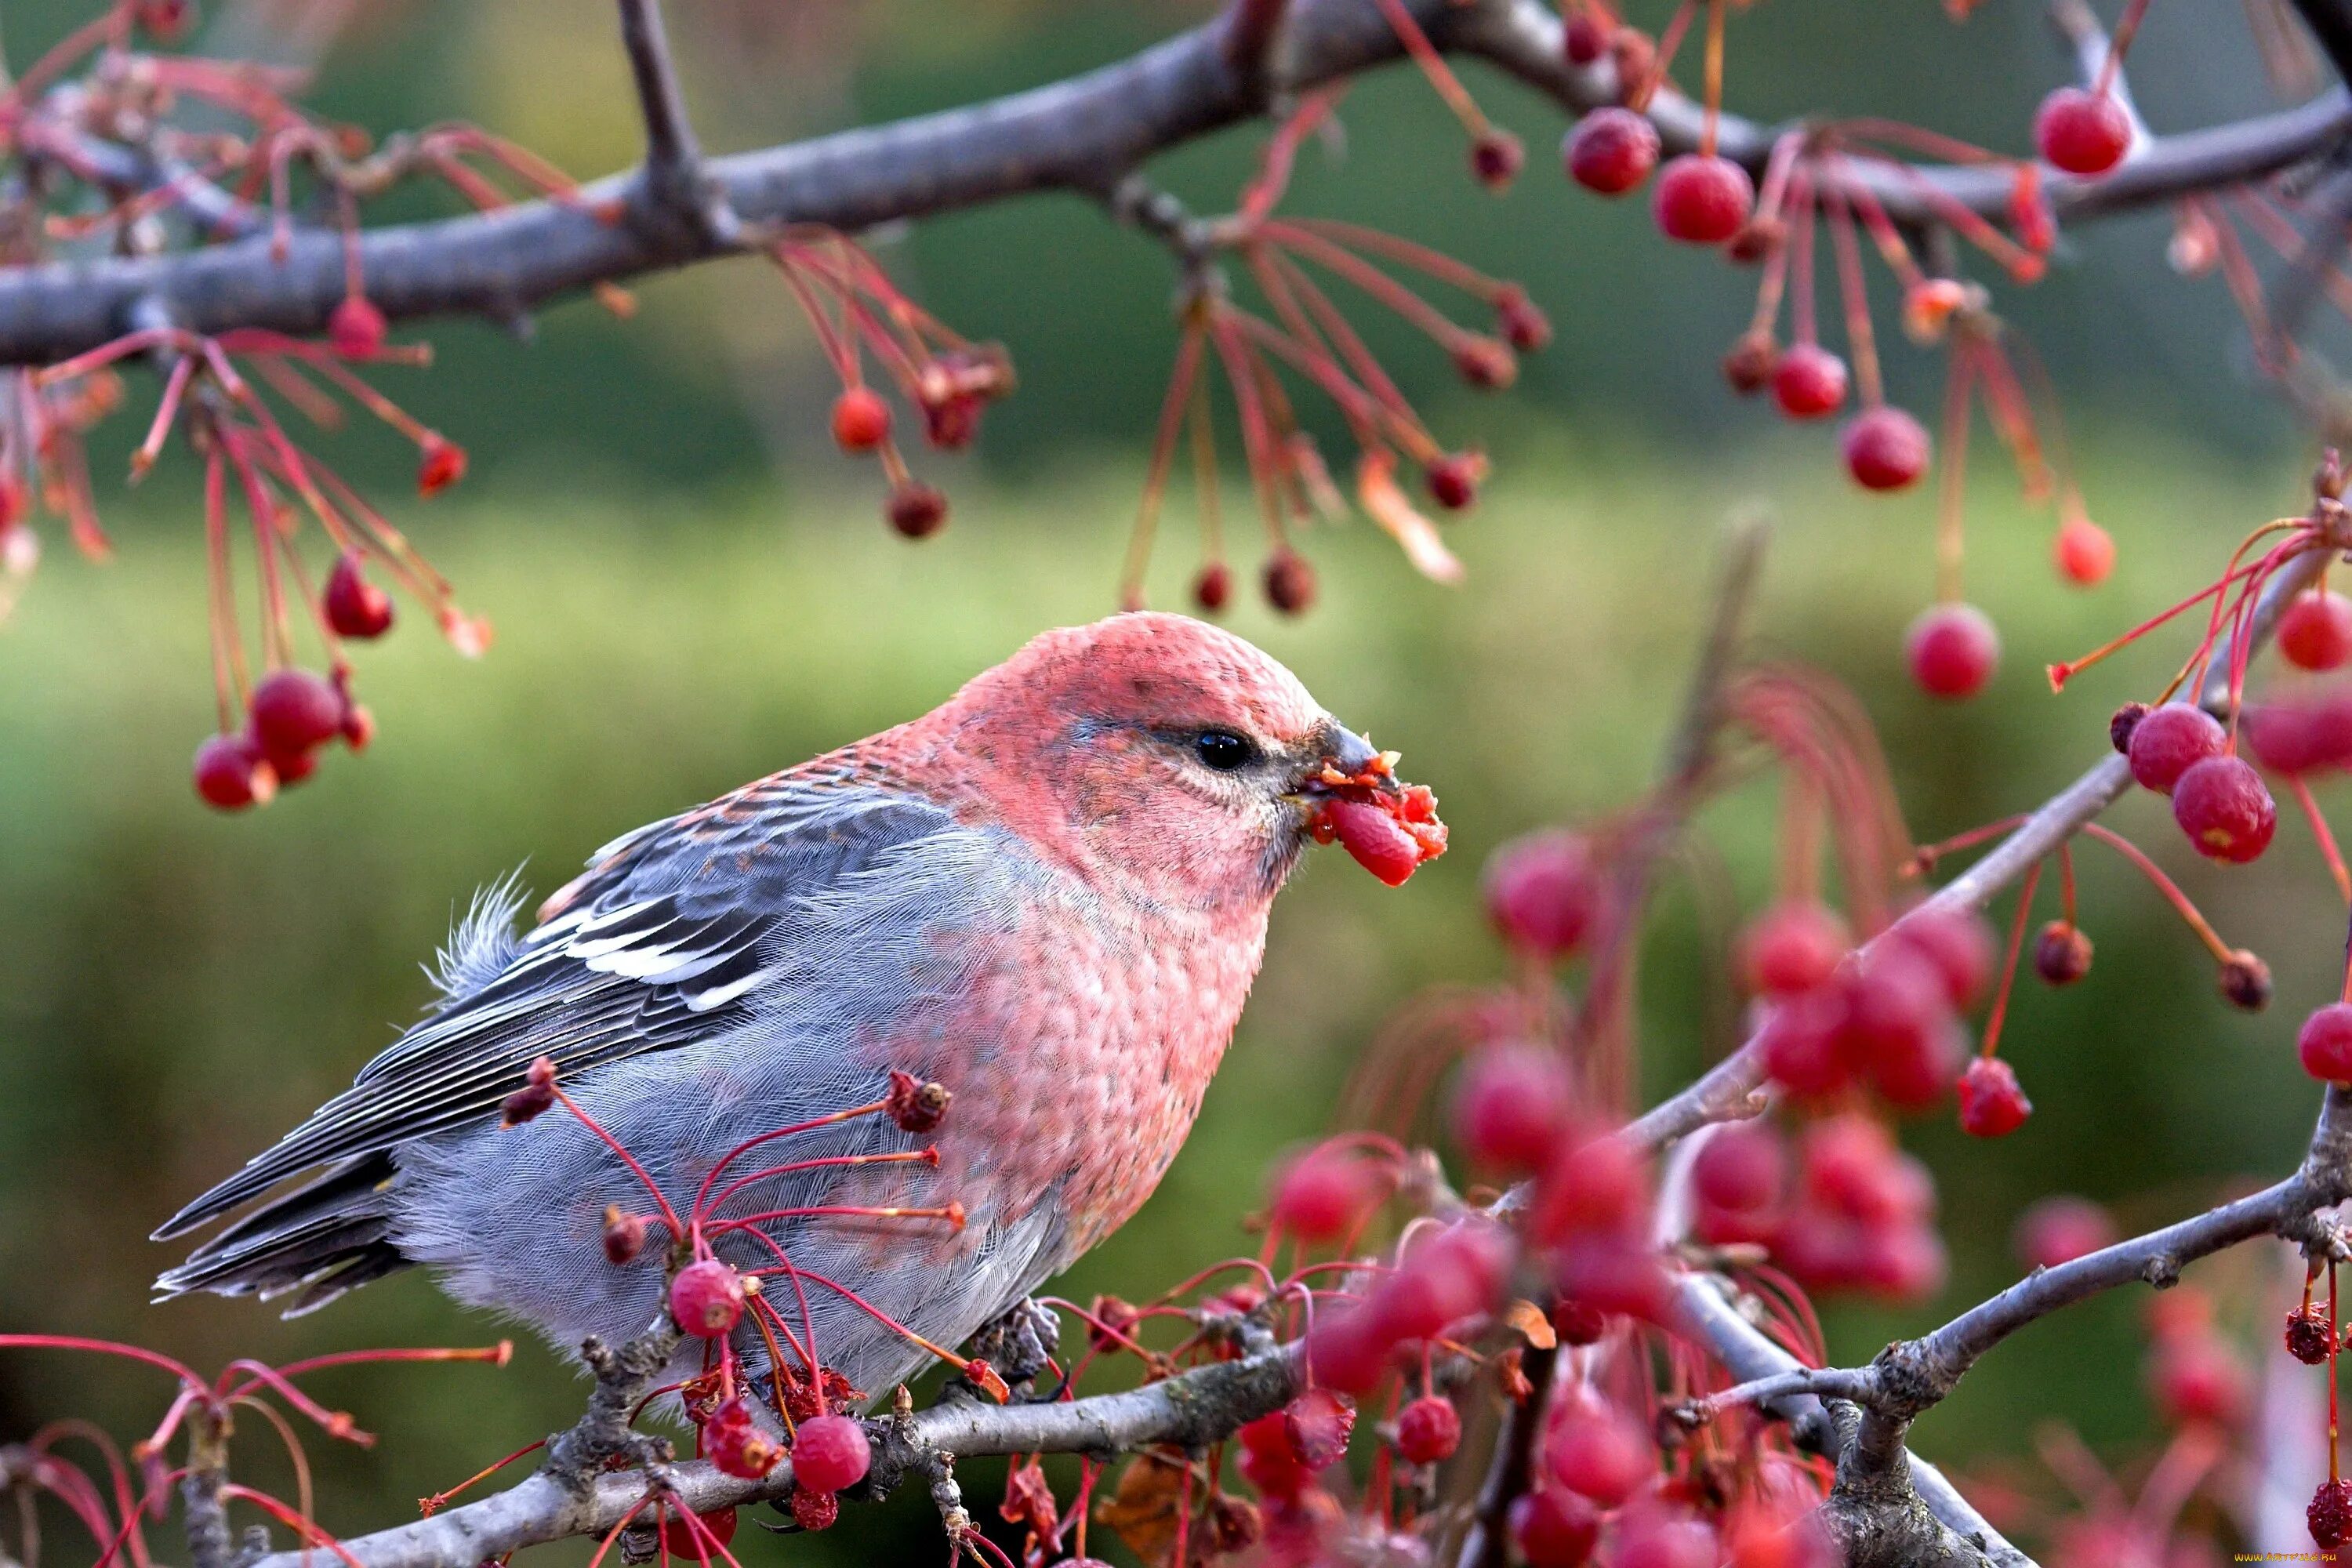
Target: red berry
x,y
1594,1450
1321,1195
1377,841
815,1510
2196,1378
2062,954
861,420
1594,1186
1267,1462
624,1233
916,509
1496,159
734,1443
2325,1043
1808,382
2060,1229
1958,944
706,1299
1214,587
1289,582
2123,723
2245,982
681,1536
1793,947
1742,1168
441,463
1554,1529
2082,133
355,327
1992,1103
1582,41
293,712
1454,479
1318,1424
1702,199
1803,1043
1577,1323
1611,151
2084,551
2168,740
1443,1278
829,1452
2315,633
2329,1516
1654,1537
1952,650
1885,449
231,773
2310,1334
1543,892
2222,806
1513,1102
355,607
1428,1430
1913,1070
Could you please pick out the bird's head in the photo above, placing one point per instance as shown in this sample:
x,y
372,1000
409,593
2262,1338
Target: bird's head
x,y
1160,751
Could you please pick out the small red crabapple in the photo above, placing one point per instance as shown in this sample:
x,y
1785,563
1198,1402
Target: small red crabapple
x,y
1582,41
1992,1103
1554,1529
2060,1229
2062,954
1809,382
1655,1537
1596,1450
2168,741
355,327
916,509
354,606
830,1452
814,1511
1496,159
1577,1323
1952,650
1793,946
1611,151
2196,1378
1322,1196
2222,806
2085,553
294,712
1957,946
2329,1517
1742,1168
1543,892
231,773
1289,582
1318,1424
1213,588
706,1299
624,1233
1513,1102
1428,1430
2080,132
734,1443
2315,633
2325,1044
861,420
1702,198
1884,449
1750,362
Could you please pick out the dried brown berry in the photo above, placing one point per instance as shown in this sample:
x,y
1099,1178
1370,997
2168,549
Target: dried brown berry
x,y
535,1096
2246,981
917,1105
2310,1335
2120,726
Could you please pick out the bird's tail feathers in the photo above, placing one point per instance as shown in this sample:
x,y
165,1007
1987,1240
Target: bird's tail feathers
x,y
326,1236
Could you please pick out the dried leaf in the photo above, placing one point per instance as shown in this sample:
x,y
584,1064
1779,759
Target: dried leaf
x,y
1143,1510
1531,1322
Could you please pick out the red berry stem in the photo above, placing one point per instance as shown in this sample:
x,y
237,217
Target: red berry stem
x,y
2020,263
1951,542
1670,42
2120,41
2007,406
167,408
2221,950
1181,380
1800,833
2066,883
1856,296
1713,105
1288,288
1421,258
230,679
2000,1014
1801,325
2333,1316
2301,789
1925,857
2059,674
1441,77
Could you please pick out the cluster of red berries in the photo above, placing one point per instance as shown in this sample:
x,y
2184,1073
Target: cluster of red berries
x,y
2217,799
291,717
1859,1214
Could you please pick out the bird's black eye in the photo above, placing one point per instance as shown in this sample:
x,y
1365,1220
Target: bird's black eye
x,y
1223,751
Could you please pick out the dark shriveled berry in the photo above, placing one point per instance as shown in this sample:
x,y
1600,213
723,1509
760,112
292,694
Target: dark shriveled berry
x,y
2245,982
2062,954
1213,588
916,1106
815,1510
1496,159
1749,364
2329,1516
2123,723
916,509
2310,1335
624,1233
1289,582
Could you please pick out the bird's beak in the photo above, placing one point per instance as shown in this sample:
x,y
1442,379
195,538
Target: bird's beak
x,y
1343,756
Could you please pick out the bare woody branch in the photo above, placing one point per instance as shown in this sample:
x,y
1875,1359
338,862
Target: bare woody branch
x,y
1083,134
675,180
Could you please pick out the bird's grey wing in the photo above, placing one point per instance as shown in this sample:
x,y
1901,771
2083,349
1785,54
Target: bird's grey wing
x,y
661,943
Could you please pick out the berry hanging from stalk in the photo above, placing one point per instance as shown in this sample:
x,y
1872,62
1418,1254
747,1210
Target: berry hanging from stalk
x,y
1952,651
1809,382
2222,806
861,419
231,773
1611,151
354,606
2080,132
1992,1105
2315,633
1702,199
1885,449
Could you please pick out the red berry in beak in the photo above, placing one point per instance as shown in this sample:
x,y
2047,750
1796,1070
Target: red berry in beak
x,y
706,1299
1702,199
2082,133
1378,841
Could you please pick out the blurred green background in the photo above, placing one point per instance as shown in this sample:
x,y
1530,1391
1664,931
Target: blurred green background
x,y
690,589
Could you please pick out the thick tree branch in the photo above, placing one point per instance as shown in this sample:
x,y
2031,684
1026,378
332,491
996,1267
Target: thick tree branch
x,y
1083,134
1731,1090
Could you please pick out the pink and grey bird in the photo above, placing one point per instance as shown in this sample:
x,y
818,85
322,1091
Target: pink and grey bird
x,y
1050,894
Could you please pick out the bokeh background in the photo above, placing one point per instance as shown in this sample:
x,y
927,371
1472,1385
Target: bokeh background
x,y
691,588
